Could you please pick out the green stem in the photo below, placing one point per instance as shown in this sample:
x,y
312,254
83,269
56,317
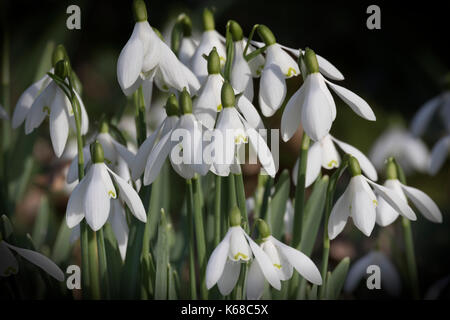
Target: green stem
x,y
190,209
240,192
200,237
300,192
231,191
217,206
103,266
93,265
326,239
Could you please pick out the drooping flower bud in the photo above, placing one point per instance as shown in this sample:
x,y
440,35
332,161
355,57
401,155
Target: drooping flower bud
x,y
236,31
62,69
266,35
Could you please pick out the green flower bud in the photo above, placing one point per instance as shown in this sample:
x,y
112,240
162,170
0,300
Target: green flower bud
x,y
310,61
354,167
104,127
59,53
213,62
263,228
185,102
235,217
266,35
172,106
139,11
186,24
97,152
391,169
236,31
227,95
208,20
62,69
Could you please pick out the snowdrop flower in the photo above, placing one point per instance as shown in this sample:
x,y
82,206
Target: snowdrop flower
x,y
439,154
386,214
185,157
323,154
146,57
3,113
425,114
288,218
278,67
390,279
92,198
117,156
209,101
283,259
224,264
410,152
360,202
235,131
313,105
186,46
53,102
243,71
9,264
210,39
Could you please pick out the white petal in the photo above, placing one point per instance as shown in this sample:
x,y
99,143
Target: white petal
x,y
265,264
119,226
229,277
300,262
75,207
241,75
147,90
317,113
157,158
424,115
328,70
366,166
291,118
339,214
313,164
385,213
8,263
84,115
187,50
72,174
124,152
208,103
239,248
330,156
439,154
394,200
249,113
363,205
59,123
229,125
74,234
255,282
172,70
130,197
264,154
216,262
39,260
40,108
358,105
131,58
97,197
424,203
277,56
209,40
272,89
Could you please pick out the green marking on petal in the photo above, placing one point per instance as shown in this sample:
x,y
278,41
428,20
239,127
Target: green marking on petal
x,y
9,271
111,193
240,138
291,72
331,163
46,110
108,161
240,254
219,108
277,265
375,202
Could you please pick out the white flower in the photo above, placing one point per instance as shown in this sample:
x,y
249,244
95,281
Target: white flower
x,y
283,259
117,157
288,218
9,264
386,214
52,102
27,98
390,279
92,197
439,154
146,56
360,202
224,264
235,132
323,153
3,113
313,105
279,66
410,152
187,49
118,221
425,114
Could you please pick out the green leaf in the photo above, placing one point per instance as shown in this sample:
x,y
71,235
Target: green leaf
x,y
313,215
172,283
336,280
40,227
6,227
162,259
277,206
62,247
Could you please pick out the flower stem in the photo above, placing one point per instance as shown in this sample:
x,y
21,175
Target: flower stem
x,y
93,265
300,191
328,207
190,209
200,236
217,206
240,192
103,266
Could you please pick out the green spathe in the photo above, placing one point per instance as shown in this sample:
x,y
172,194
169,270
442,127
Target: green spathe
x,y
139,11
104,127
172,106
227,95
208,20
97,152
235,217
59,53
263,228
266,35
236,31
391,169
354,167
185,102
62,69
213,62
310,61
